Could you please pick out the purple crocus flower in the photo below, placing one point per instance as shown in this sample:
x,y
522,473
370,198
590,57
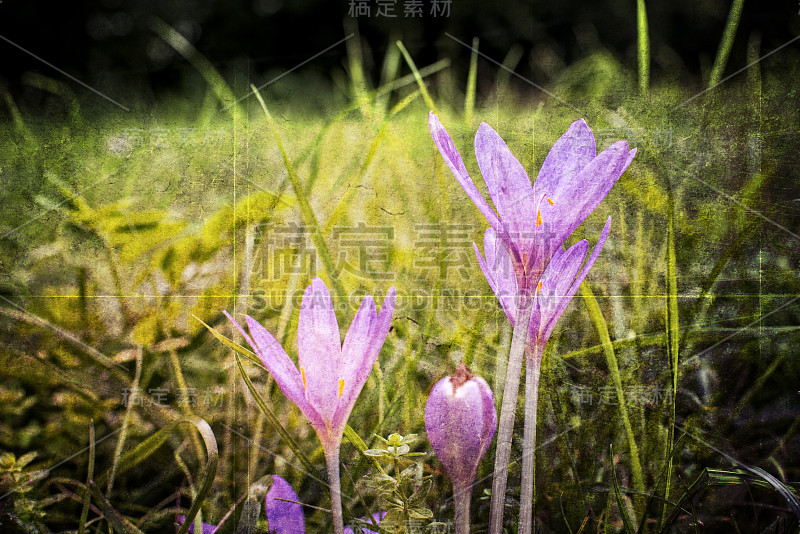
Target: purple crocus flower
x,y
534,220
283,517
377,517
557,285
331,374
460,420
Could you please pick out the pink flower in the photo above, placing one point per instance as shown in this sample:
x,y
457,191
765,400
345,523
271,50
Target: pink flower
x,y
331,374
460,419
533,220
558,284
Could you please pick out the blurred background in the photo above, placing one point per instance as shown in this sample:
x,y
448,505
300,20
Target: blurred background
x,y
145,189
111,45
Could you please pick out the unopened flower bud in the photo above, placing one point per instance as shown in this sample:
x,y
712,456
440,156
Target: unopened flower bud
x,y
460,419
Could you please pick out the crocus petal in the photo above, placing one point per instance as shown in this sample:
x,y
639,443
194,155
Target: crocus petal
x,y
576,284
510,188
207,527
319,348
283,517
499,272
556,282
356,348
357,355
576,196
361,348
377,517
383,325
453,159
281,367
570,154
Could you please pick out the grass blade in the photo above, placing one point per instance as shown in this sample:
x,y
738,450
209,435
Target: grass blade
x,y
117,520
472,81
356,68
726,43
359,444
273,419
417,76
613,367
663,478
125,423
623,509
673,330
209,471
389,70
250,355
643,46
305,206
89,475
177,41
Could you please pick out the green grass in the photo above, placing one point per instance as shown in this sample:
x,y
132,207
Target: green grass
x,y
113,247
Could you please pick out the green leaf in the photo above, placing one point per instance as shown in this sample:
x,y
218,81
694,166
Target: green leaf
x,y
408,473
422,493
116,519
408,439
420,513
359,444
250,355
25,459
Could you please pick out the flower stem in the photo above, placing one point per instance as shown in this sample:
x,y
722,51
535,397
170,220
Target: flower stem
x,y
462,493
332,463
507,412
533,364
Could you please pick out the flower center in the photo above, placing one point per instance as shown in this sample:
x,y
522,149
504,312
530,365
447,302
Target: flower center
x,y
305,383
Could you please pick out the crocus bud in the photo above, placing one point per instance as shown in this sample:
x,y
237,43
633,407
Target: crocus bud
x,y
283,517
460,419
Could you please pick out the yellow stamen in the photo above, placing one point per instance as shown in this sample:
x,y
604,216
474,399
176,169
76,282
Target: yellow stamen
x,y
538,218
538,288
550,200
341,387
303,372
